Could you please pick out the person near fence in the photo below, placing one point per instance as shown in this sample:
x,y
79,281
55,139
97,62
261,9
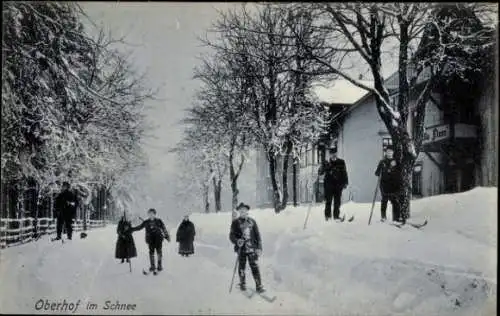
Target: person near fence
x,y
65,210
125,245
185,237
245,236
387,170
335,180
155,233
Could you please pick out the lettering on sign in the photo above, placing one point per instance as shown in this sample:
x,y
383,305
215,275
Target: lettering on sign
x,y
436,133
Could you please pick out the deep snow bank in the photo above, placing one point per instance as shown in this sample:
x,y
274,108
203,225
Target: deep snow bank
x,y
447,268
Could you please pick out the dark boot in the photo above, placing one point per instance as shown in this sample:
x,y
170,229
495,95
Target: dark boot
x,y
260,289
123,260
243,286
152,263
159,265
256,273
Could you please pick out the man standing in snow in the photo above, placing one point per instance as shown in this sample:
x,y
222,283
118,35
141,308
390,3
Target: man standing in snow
x,y
245,236
66,205
335,181
155,232
387,170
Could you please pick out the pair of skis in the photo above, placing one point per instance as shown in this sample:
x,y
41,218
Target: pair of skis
x,y
249,293
56,239
342,219
414,225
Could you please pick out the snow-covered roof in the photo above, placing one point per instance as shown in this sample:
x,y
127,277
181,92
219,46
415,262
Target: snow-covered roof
x,y
340,91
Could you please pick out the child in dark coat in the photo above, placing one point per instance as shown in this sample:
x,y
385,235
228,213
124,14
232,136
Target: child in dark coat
x,y
125,245
185,237
155,233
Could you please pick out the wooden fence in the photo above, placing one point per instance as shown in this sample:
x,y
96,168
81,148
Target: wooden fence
x,y
14,232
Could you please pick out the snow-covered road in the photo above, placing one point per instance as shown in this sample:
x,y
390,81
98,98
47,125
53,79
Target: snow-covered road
x,y
449,268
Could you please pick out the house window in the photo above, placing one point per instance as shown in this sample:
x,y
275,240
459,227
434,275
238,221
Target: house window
x,y
386,141
417,180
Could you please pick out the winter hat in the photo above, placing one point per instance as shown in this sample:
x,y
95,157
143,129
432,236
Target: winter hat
x,y
152,210
242,206
333,150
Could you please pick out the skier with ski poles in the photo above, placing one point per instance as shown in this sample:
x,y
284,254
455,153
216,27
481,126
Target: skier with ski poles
x,y
388,169
247,242
335,181
155,233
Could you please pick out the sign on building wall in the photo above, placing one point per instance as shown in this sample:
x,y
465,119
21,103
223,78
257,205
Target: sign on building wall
x,y
436,133
441,132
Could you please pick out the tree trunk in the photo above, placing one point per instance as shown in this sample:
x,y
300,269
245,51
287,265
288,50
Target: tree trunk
x,y
272,173
217,194
294,170
406,188
205,198
284,175
233,177
85,207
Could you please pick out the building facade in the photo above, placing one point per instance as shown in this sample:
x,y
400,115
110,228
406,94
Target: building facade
x,y
459,150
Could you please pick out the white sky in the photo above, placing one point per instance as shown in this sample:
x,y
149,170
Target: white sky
x,y
165,45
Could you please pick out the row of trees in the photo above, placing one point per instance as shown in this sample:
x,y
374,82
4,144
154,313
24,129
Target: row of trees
x,y
255,91
72,106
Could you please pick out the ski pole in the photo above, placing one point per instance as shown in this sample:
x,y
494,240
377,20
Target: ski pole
x,y
374,197
234,271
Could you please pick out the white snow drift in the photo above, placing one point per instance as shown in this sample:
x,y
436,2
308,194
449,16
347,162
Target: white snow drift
x,y
448,268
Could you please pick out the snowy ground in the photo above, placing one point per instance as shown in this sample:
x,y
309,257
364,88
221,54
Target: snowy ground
x,y
449,268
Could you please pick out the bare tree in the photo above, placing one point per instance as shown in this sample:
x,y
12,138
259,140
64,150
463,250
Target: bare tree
x,y
261,45
367,31
224,100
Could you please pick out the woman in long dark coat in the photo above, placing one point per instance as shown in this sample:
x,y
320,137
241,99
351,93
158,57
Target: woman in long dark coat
x,y
125,245
185,237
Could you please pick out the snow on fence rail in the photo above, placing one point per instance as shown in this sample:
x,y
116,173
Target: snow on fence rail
x,y
19,231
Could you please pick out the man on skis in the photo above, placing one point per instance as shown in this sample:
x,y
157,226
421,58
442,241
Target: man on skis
x,y
387,170
66,205
155,233
335,181
245,236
